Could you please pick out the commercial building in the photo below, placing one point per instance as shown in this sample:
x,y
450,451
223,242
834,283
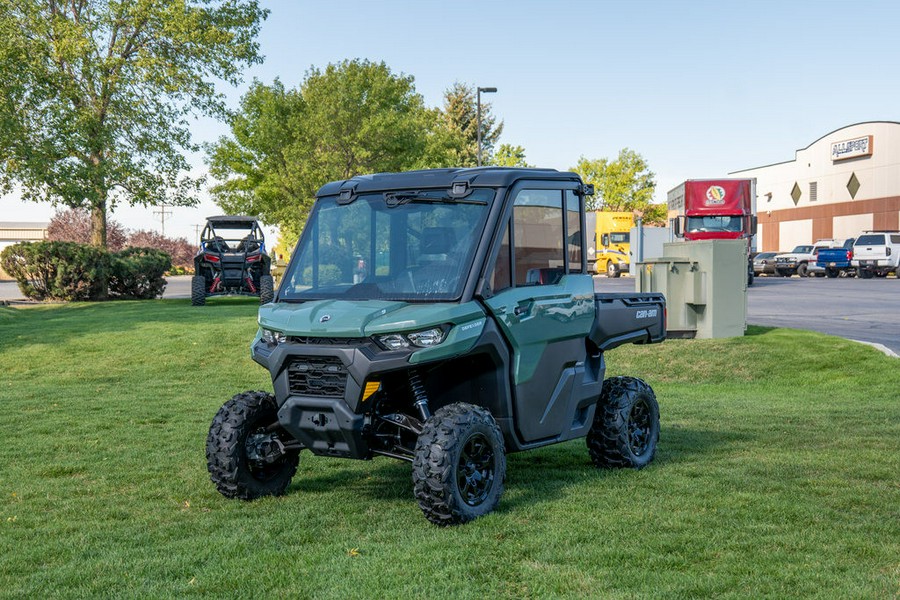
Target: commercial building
x,y
11,233
846,182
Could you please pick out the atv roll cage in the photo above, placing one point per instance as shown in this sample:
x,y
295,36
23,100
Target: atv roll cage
x,y
232,259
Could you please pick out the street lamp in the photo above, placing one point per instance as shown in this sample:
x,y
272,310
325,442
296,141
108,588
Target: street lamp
x,y
486,90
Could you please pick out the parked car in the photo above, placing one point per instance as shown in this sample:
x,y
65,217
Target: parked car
x,y
800,258
837,261
764,263
877,253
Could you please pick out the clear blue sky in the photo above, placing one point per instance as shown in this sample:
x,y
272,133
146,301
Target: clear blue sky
x,y
699,88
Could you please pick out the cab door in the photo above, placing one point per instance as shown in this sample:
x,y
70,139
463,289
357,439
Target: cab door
x,y
543,301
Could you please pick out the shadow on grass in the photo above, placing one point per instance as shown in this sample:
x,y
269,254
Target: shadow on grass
x,y
758,330
62,322
533,477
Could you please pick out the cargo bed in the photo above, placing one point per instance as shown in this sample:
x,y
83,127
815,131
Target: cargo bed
x,y
628,318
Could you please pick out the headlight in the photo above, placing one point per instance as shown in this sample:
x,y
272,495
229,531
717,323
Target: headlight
x,y
427,338
273,337
420,339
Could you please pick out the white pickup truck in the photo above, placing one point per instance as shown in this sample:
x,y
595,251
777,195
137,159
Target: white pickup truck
x,y
800,259
877,253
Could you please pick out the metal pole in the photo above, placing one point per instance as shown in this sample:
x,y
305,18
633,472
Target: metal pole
x,y
479,126
486,90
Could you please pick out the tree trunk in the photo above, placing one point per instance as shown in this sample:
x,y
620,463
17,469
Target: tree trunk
x,y
98,224
98,238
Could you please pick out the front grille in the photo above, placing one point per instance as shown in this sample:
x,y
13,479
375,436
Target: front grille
x,y
323,376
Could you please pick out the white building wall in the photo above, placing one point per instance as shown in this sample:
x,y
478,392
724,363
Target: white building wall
x,y
849,226
790,231
878,176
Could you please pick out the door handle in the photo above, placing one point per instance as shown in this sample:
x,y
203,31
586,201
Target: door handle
x,y
520,310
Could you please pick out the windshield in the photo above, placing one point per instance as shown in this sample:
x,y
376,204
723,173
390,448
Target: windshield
x,y
393,246
619,238
802,250
716,223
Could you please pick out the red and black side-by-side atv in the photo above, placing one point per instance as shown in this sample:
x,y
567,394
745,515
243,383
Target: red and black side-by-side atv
x,y
232,260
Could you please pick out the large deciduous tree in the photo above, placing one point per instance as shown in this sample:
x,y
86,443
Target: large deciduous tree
x,y
351,118
95,95
624,184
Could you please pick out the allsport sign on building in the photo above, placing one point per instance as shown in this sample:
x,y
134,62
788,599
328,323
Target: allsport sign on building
x,y
856,148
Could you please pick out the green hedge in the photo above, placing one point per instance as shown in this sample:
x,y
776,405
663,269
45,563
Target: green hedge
x,y
57,270
137,273
70,271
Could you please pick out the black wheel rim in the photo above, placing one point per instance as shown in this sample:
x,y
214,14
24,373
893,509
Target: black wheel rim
x,y
640,423
475,469
260,450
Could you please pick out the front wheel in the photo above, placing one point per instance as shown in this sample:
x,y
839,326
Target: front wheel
x,y
625,430
612,269
245,452
459,465
802,270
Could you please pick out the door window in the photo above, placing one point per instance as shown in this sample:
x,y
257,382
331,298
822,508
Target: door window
x,y
538,237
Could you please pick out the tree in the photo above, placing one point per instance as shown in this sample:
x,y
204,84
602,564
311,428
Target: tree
x,y
460,118
624,184
508,155
74,225
351,118
95,96
179,249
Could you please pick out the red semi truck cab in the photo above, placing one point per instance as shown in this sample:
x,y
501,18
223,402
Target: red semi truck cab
x,y
715,209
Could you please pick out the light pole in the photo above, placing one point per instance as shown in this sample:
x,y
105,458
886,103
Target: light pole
x,y
486,90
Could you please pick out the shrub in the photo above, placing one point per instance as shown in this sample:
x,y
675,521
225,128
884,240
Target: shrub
x,y
137,273
57,270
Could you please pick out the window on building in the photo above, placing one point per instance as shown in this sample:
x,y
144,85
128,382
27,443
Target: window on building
x,y
813,191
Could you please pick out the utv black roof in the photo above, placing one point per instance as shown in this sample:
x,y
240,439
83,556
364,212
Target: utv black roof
x,y
442,178
240,221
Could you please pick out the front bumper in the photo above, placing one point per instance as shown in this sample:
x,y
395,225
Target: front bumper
x,y
319,389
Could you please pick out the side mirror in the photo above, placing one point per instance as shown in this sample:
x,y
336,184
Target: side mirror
x,y
753,224
605,240
678,226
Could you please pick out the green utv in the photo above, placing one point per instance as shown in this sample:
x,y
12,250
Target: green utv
x,y
445,318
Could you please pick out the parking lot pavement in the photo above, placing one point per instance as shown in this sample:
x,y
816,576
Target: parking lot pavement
x,y
866,310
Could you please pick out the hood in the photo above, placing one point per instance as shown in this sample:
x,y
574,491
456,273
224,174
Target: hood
x,y
361,318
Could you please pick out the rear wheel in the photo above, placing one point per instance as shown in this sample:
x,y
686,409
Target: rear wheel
x,y
266,289
198,290
866,273
245,452
831,273
626,425
459,465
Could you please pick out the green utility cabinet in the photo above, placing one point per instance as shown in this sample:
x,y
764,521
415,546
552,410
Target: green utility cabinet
x,y
705,284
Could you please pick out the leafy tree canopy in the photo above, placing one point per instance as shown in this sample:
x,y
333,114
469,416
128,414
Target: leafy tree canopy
x,y
460,119
508,155
624,184
351,118
95,95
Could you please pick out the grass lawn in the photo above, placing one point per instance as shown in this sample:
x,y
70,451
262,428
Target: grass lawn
x,y
778,474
